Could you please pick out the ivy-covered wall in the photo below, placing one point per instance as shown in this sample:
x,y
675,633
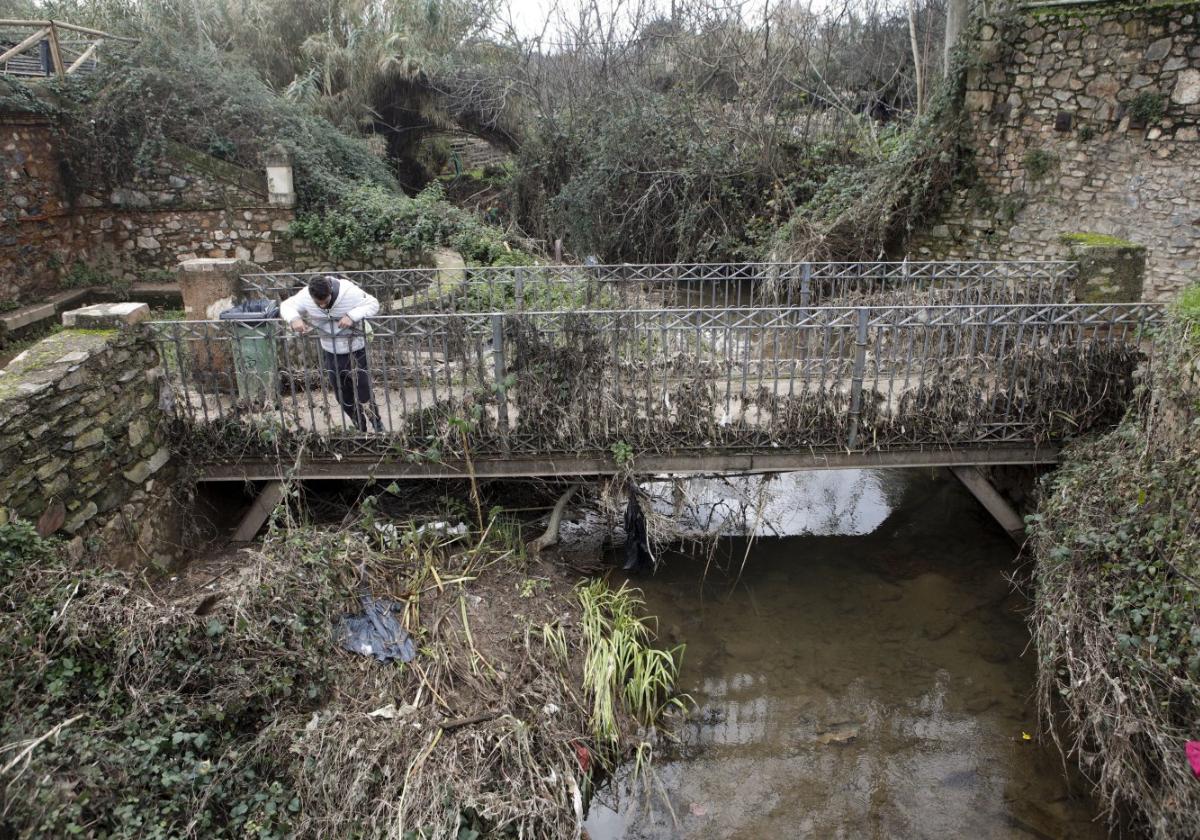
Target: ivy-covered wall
x,y
1083,119
1116,618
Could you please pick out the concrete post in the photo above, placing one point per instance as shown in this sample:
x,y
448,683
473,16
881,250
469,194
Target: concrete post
x,y
209,287
281,191
1111,270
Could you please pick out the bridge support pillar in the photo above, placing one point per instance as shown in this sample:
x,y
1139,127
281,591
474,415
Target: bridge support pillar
x,y
259,512
975,481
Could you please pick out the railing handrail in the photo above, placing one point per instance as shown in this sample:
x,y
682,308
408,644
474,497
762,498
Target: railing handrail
x,y
1149,306
600,268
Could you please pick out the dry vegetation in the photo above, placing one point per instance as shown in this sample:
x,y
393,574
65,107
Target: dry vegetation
x,y
1117,602
220,704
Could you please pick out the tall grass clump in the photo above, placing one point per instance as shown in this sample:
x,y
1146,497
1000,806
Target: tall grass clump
x,y
623,673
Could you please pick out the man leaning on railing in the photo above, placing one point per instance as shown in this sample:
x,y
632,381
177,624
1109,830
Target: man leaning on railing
x,y
335,307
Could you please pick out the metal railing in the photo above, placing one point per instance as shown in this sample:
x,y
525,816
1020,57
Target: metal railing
x,y
866,378
579,287
33,48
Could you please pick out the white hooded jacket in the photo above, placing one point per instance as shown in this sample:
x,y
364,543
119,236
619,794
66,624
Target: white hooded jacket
x,y
350,300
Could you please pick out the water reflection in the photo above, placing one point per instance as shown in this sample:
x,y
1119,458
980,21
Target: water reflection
x,y
869,686
849,502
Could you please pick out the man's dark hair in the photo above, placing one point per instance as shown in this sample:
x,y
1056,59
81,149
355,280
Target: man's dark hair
x,y
319,288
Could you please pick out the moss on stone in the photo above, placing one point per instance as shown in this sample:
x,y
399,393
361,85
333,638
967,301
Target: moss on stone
x,y
1106,10
1098,240
40,363
86,331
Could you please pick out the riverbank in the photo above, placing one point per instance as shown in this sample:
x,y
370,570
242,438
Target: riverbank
x,y
1116,542
220,703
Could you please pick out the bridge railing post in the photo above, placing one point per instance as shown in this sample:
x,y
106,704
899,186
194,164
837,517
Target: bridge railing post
x,y
501,374
806,284
856,381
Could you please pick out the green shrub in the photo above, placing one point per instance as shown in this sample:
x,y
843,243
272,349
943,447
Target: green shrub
x,y
84,276
119,119
861,209
1039,163
1116,617
371,219
20,546
1147,108
160,717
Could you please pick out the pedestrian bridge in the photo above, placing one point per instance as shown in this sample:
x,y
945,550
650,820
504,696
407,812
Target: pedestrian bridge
x,y
567,370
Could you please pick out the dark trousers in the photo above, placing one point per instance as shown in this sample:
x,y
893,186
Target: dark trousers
x,y
351,381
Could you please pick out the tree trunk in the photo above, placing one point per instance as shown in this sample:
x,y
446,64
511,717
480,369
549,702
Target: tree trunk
x,y
956,19
918,69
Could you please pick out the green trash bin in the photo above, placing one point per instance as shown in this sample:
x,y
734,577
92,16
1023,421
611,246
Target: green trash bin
x,y
255,350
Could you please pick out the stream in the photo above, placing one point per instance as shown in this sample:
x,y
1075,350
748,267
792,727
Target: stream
x,y
867,674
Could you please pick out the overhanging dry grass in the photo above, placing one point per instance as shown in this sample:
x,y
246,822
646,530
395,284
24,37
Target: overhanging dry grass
x,y
1116,615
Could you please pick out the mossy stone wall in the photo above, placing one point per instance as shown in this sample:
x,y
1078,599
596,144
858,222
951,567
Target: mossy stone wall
x,y
83,448
185,205
1110,269
1083,118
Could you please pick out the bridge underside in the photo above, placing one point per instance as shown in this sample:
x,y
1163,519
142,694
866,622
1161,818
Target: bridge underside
x,y
595,464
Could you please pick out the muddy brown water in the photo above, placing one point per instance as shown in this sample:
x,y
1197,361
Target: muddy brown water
x,y
868,675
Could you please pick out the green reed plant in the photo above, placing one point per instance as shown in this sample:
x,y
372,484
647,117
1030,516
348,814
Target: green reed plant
x,y
622,671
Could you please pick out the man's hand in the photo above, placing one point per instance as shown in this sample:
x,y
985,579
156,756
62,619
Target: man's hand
x,y
299,326
346,323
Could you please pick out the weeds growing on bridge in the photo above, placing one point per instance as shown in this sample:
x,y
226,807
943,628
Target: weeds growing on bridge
x,y
578,383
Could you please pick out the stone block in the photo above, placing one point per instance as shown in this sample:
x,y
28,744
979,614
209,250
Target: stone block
x,y
138,430
48,469
81,517
1111,270
90,438
105,316
979,100
1159,50
57,485
25,316
1187,88
142,470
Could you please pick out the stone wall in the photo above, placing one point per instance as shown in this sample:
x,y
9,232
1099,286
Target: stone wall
x,y
184,206
1083,119
31,218
82,445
